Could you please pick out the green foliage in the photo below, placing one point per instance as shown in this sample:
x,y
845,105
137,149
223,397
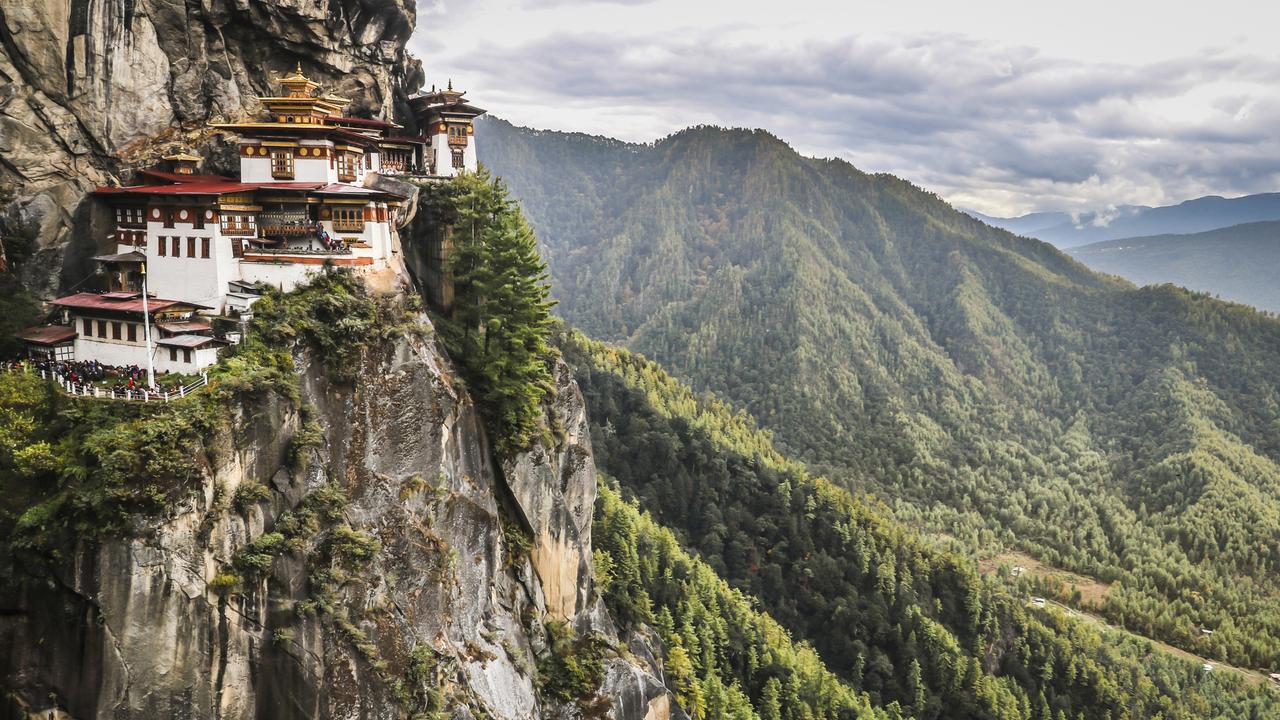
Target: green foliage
x,y
90,467
518,543
351,546
989,389
726,651
283,637
225,582
256,557
84,468
497,329
907,624
572,668
250,494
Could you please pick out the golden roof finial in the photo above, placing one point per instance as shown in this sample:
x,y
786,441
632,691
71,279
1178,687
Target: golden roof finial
x,y
297,84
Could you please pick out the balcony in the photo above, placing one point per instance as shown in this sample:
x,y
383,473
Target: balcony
x,y
348,226
286,224
300,252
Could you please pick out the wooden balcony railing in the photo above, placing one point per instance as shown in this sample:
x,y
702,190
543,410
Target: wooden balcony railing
x,y
285,223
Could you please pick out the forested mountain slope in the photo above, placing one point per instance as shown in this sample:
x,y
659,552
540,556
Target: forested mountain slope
x,y
1237,263
987,386
909,624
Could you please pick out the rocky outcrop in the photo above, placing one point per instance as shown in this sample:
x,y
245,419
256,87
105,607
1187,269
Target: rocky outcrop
x,y
92,88
395,579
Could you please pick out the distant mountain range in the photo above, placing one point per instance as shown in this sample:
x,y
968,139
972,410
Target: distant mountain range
x,y
1239,263
1193,216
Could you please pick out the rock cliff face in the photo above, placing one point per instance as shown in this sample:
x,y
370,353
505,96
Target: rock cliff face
x,y
92,87
401,571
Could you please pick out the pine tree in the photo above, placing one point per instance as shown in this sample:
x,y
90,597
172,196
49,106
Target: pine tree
x,y
771,700
498,327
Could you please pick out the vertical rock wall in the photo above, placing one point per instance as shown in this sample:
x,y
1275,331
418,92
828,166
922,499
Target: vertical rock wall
x,y
138,627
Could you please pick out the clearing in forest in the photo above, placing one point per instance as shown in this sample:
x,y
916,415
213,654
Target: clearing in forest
x,y
1092,590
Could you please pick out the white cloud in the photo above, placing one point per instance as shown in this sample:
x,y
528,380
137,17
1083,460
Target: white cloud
x,y
993,105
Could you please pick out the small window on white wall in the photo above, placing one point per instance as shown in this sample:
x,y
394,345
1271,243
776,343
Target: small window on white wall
x,y
282,164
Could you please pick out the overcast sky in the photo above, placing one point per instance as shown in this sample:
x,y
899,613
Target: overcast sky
x,y
1002,107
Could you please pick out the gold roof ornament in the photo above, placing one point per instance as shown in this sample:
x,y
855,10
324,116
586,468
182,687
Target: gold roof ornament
x,y
182,156
299,85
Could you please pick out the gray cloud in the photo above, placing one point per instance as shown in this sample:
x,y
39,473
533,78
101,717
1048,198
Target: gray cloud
x,y
1004,128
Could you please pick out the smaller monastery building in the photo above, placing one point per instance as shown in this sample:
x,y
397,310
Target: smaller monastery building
x,y
191,246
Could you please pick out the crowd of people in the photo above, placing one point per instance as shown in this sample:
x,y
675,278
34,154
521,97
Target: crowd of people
x,y
85,375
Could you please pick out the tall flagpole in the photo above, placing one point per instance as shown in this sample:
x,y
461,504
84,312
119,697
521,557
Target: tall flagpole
x,y
146,332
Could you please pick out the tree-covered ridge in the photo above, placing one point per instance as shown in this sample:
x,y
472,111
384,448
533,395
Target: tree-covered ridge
x,y
986,386
907,623
724,658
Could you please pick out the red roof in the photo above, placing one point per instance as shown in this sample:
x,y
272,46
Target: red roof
x,y
206,188
180,178
419,139
195,188
95,301
47,334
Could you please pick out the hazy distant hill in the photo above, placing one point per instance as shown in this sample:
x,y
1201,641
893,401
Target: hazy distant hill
x,y
1027,225
1192,216
1240,263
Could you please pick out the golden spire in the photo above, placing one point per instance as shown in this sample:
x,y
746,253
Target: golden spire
x,y
299,85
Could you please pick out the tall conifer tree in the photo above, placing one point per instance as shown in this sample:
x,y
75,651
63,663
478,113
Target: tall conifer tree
x,y
501,317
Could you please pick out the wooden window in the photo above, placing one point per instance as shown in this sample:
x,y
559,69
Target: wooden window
x,y
173,354
191,247
458,135
162,248
237,247
176,245
186,355
282,164
115,330
348,219
102,329
197,220
124,216
347,166
457,159
133,332
204,247
239,225
88,327
167,214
